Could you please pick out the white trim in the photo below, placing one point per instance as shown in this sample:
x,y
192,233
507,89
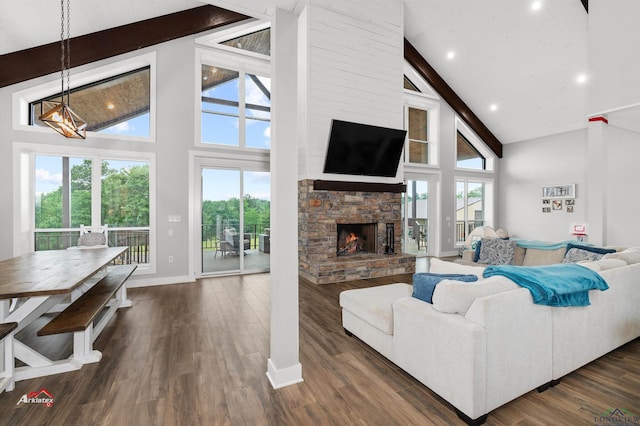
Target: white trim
x,y
612,110
416,101
22,98
288,376
424,87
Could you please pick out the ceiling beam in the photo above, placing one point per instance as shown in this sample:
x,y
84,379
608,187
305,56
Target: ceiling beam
x,y
420,64
42,60
585,3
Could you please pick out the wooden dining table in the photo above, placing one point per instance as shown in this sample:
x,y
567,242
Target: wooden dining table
x,y
41,282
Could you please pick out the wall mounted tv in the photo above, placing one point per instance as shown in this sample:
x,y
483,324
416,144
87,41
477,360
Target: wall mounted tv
x,y
363,150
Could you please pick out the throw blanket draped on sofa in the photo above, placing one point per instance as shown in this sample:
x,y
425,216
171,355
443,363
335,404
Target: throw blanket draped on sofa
x,y
565,284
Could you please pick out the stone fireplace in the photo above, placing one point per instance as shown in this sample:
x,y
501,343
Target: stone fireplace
x,y
329,212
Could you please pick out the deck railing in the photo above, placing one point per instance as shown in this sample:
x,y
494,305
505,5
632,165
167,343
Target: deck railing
x,y
136,238
212,233
461,233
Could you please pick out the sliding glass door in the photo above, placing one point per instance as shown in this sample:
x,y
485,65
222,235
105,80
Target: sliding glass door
x,y
235,209
415,216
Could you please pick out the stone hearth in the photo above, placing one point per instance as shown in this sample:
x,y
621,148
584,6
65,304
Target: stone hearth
x,y
319,213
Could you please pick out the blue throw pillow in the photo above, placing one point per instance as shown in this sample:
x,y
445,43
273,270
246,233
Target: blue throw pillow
x,y
425,283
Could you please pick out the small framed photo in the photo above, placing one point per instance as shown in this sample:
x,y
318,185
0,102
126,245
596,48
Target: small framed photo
x,y
546,210
570,209
557,204
546,201
570,202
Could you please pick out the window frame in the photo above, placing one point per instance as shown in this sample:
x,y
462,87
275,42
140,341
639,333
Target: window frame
x,y
489,198
24,190
235,61
416,100
477,144
21,99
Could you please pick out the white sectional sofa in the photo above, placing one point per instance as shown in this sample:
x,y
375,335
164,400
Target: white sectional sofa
x,y
480,345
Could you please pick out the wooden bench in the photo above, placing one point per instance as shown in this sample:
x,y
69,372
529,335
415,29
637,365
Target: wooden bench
x,y
78,318
7,380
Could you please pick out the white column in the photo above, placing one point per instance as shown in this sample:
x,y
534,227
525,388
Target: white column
x,y
283,366
597,180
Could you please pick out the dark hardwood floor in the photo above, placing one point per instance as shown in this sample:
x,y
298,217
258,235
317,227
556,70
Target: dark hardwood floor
x,y
196,354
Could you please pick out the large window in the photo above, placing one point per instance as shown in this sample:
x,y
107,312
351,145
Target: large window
x,y
74,191
236,108
115,105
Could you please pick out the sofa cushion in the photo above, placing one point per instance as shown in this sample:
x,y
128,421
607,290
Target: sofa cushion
x,y
425,283
438,266
539,257
630,255
373,304
495,251
455,297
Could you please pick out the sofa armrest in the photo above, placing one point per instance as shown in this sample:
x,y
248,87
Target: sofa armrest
x,y
446,352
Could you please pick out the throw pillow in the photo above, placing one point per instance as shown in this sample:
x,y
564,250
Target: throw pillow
x,y
92,239
576,253
454,297
630,255
425,283
494,251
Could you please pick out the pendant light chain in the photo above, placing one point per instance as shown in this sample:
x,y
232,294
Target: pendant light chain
x,y
62,56
68,52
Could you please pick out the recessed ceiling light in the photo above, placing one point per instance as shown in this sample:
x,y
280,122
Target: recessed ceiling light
x,y
493,107
110,106
451,54
536,5
582,78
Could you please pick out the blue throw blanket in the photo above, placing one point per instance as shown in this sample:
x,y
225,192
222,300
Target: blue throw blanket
x,y
563,284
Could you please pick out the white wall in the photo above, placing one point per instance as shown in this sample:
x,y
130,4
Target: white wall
x,y
623,200
351,66
525,168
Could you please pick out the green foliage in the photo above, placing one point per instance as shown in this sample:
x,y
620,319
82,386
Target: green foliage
x,y
125,198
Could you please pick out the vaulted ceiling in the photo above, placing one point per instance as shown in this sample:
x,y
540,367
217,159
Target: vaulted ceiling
x,y
524,62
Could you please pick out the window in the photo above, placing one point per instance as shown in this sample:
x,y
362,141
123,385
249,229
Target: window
x,y
236,108
68,193
474,206
408,84
471,151
467,156
257,42
115,105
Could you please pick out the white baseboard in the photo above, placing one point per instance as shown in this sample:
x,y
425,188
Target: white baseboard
x,y
284,376
150,282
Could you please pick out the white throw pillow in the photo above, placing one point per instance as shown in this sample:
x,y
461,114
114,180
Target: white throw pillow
x,y
437,266
605,264
455,297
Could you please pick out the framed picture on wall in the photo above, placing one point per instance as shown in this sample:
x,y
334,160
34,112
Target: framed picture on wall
x,y
559,191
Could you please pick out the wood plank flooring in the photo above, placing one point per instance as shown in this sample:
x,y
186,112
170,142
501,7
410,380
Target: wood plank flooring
x,y
196,354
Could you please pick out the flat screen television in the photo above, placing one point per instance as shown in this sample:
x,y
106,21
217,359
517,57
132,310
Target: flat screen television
x,y
363,149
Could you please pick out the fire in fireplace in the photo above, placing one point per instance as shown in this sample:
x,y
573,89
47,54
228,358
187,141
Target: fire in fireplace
x,y
356,238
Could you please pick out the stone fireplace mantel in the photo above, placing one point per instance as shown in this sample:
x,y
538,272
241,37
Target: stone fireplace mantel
x,y
321,210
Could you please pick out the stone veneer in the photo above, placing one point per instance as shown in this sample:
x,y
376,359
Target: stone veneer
x,y
318,213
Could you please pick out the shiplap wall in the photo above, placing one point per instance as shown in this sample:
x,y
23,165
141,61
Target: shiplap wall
x,y
351,66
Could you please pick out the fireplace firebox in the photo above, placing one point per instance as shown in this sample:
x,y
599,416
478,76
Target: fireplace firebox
x,y
356,238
